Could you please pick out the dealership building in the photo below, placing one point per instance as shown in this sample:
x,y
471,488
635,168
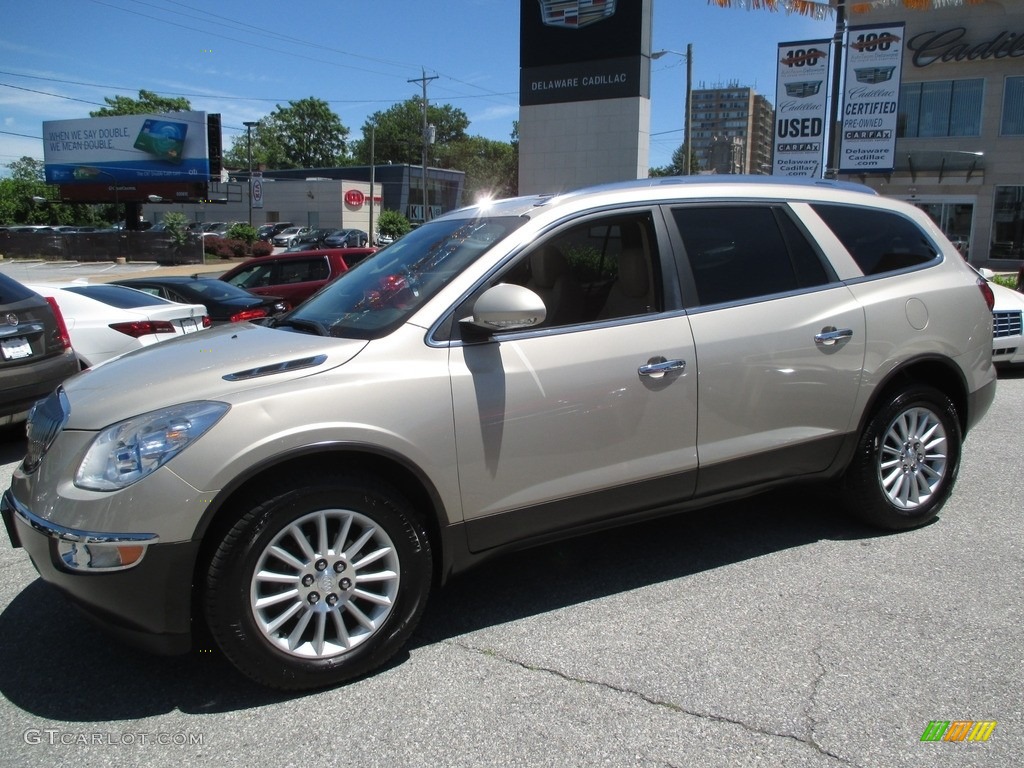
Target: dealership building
x,y
960,131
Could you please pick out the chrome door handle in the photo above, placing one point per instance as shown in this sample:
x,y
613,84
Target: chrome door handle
x,y
659,366
831,335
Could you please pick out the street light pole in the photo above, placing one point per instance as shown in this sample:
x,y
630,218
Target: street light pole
x,y
688,107
248,139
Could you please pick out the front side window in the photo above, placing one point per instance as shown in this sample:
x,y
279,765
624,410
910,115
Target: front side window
x,y
255,276
740,252
603,269
879,241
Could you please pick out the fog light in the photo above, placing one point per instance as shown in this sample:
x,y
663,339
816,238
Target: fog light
x,y
99,557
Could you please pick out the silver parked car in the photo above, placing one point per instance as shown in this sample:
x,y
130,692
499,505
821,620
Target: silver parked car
x,y
500,376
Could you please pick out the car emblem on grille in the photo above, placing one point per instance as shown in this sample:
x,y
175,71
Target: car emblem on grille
x,y
11,318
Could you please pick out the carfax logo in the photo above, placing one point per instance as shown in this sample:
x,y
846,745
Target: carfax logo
x,y
958,730
575,14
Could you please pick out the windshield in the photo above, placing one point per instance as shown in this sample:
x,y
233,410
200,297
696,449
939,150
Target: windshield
x,y
379,294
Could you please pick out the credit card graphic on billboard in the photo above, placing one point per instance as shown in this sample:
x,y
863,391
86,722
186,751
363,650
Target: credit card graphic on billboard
x,y
163,139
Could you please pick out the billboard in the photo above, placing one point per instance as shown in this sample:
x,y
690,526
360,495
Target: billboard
x,y
582,50
874,57
801,119
153,149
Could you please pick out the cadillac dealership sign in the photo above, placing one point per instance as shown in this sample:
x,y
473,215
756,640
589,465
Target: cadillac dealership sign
x,y
800,117
871,99
580,50
955,45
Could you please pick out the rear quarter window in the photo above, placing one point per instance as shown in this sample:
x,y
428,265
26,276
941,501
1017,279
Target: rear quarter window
x,y
879,241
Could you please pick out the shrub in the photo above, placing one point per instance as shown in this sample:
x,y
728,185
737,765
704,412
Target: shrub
x,y
261,248
243,232
392,223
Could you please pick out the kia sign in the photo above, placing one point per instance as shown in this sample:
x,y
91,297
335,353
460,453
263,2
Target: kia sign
x,y
130,148
354,198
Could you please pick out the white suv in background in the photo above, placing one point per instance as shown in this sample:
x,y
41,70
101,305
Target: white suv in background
x,y
505,374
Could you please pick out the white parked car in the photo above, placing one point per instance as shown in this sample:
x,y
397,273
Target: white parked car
x,y
105,321
1007,334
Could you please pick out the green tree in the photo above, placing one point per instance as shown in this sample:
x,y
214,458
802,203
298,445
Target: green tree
x,y
18,193
491,166
398,132
147,103
678,164
305,134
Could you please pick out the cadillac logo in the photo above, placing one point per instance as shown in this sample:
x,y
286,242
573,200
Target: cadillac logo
x,y
575,14
11,318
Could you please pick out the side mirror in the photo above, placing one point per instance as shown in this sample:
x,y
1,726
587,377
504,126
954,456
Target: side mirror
x,y
505,307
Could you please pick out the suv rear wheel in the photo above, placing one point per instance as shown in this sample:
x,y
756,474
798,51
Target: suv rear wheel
x,y
319,584
907,460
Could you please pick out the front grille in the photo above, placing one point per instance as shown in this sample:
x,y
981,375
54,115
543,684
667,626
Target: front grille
x,y
1006,323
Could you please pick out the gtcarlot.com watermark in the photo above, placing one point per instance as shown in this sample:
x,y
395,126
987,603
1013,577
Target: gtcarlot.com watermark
x,y
58,737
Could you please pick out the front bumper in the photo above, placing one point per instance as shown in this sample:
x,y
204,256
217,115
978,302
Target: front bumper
x,y
147,603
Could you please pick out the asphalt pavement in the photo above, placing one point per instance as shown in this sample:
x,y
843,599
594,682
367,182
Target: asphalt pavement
x,y
769,632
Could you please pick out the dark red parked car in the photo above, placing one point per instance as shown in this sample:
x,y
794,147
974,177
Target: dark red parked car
x,y
295,276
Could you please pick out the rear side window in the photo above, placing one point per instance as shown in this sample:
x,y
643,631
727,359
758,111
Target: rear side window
x,y
741,252
116,296
879,241
304,270
12,291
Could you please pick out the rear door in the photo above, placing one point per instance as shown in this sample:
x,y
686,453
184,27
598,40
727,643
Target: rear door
x,y
780,344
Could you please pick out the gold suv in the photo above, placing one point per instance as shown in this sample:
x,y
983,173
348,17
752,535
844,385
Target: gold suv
x,y
509,373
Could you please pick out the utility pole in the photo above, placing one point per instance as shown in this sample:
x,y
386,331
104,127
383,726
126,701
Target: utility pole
x,y
423,80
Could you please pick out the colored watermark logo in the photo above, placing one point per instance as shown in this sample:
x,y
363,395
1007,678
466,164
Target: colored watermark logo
x,y
958,730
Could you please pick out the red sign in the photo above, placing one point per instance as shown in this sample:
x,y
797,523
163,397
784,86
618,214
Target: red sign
x,y
355,198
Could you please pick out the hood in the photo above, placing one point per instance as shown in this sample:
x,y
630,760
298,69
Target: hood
x,y
209,365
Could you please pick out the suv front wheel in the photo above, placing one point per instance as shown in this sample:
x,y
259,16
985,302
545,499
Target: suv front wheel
x,y
906,461
319,584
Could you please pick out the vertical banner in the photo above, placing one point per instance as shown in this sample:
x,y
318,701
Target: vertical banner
x,y
256,189
871,97
801,119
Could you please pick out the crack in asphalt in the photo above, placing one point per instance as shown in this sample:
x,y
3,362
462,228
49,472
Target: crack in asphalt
x,y
808,741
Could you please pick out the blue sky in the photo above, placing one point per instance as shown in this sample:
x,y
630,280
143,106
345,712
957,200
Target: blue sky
x,y
59,59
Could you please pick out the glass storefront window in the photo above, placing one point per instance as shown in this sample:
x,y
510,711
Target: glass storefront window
x,y
940,108
954,219
1008,223
1013,107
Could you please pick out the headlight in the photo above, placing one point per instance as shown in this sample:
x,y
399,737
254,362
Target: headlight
x,y
127,452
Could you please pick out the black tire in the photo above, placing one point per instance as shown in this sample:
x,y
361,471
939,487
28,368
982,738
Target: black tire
x,y
305,622
907,460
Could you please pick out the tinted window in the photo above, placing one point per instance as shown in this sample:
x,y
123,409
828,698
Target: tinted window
x,y
116,296
11,290
741,252
879,241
